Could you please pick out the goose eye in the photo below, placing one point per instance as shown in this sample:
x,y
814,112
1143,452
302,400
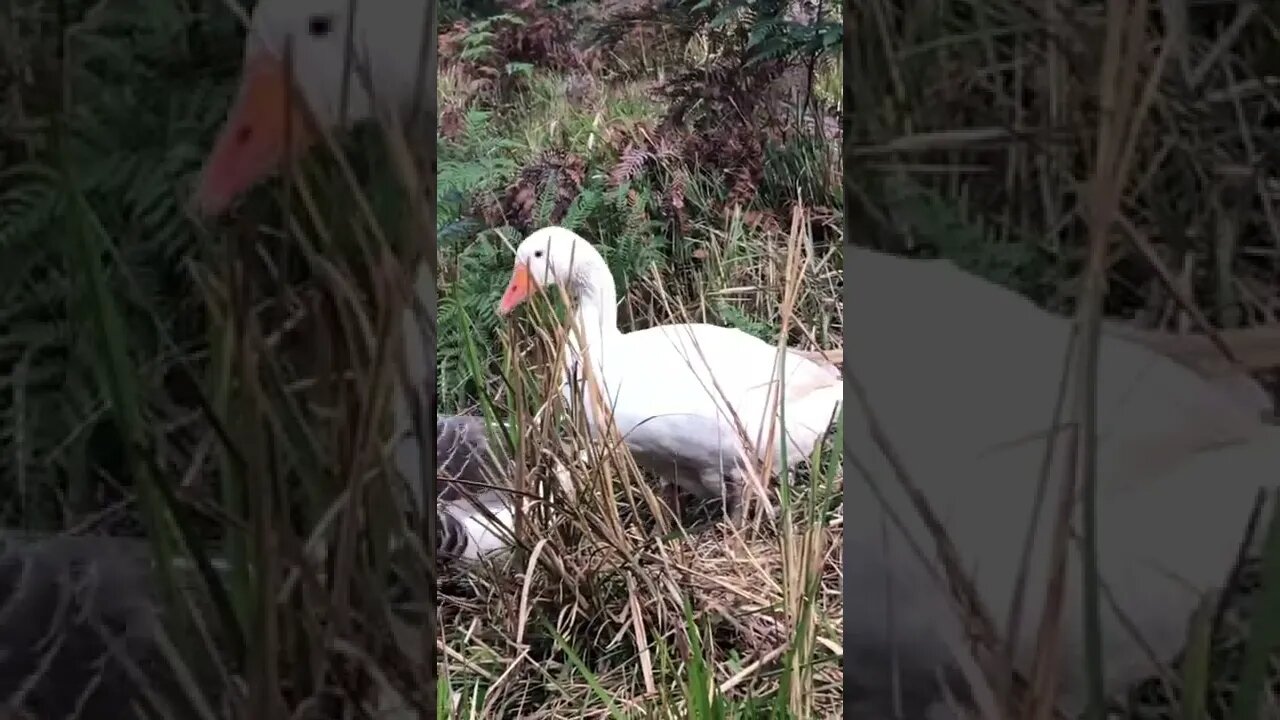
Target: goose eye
x,y
319,25
537,253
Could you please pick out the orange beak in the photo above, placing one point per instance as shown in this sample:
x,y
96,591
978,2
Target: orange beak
x,y
252,141
519,290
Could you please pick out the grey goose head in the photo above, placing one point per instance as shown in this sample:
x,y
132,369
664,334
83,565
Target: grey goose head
x,y
465,456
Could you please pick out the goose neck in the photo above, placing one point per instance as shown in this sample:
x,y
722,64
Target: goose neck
x,y
596,296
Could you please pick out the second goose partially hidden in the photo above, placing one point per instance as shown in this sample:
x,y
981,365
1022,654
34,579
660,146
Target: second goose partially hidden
x,y
474,507
683,396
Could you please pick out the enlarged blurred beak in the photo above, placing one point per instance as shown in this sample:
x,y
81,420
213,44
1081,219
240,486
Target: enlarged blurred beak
x,y
518,290
251,144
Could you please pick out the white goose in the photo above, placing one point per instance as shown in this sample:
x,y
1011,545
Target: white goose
x,y
962,346
387,41
387,38
962,379
683,396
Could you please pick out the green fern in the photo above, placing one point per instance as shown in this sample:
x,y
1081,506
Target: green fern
x,y
131,153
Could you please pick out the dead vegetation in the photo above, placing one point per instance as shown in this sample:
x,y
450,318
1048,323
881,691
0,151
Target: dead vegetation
x,y
986,135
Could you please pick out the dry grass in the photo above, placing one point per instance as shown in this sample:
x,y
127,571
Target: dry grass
x,y
994,113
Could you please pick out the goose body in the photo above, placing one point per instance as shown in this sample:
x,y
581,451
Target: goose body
x,y
956,367
965,396
475,516
683,397
1164,544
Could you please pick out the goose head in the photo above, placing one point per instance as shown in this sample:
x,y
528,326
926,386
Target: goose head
x,y
549,257
385,38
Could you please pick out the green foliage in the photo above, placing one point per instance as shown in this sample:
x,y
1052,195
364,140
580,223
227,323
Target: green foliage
x,y
804,165
772,35
935,222
142,96
467,312
477,43
479,162
733,317
756,31
705,699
